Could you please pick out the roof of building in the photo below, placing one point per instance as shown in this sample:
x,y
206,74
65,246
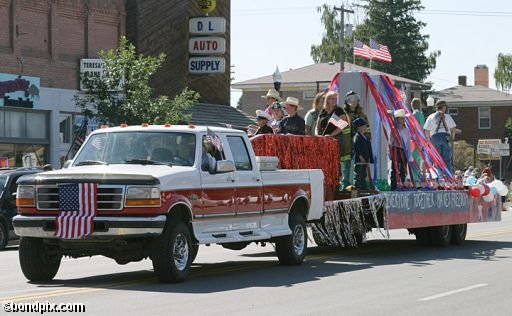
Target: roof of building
x,y
473,95
322,72
219,115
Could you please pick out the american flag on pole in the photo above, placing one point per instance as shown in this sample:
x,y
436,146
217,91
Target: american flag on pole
x,y
213,139
361,50
379,52
338,121
77,208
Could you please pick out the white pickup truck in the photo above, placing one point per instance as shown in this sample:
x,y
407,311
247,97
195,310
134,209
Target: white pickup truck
x,y
160,192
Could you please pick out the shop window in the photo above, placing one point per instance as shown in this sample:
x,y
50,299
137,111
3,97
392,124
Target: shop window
x,y
2,124
65,130
36,127
14,124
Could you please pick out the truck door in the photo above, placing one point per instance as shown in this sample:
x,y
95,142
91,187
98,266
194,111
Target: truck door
x,y
248,184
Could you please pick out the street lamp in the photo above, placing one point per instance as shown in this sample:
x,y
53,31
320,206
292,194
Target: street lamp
x,y
276,77
430,101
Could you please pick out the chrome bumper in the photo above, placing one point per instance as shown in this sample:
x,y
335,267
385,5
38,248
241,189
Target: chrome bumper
x,y
104,227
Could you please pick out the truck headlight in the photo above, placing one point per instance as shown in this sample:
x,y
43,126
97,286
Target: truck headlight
x,y
142,196
25,196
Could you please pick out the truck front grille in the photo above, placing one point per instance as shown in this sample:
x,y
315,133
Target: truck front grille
x,y
109,197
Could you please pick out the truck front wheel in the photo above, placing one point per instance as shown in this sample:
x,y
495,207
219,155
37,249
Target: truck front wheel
x,y
172,253
37,263
291,249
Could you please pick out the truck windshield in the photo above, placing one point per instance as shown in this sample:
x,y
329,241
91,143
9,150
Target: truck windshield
x,y
155,148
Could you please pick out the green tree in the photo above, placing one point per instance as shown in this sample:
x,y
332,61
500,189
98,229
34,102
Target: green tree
x,y
390,23
503,73
124,94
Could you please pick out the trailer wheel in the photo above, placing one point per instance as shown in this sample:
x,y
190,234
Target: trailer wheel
x,y
291,249
459,233
172,253
422,236
440,236
37,264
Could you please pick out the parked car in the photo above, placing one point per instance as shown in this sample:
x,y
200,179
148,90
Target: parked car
x,y
8,187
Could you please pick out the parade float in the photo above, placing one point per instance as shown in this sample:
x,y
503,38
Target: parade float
x,y
436,208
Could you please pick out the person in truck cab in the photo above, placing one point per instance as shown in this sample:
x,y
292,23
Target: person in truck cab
x,y
209,157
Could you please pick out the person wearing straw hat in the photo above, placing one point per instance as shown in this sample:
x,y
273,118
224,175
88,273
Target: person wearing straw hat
x,y
262,119
293,123
440,129
270,98
400,149
363,154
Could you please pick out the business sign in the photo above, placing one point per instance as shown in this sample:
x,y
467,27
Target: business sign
x,y
91,68
207,6
206,65
19,91
489,149
206,45
207,25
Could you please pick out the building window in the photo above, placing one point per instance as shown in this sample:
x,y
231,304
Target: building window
x,y
484,118
65,130
453,111
15,124
36,125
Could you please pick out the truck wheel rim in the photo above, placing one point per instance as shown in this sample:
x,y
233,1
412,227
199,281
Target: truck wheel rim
x,y
298,239
180,252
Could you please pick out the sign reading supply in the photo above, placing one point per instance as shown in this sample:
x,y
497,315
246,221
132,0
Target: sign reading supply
x,y
206,65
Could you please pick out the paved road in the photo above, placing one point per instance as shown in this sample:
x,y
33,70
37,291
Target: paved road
x,y
385,277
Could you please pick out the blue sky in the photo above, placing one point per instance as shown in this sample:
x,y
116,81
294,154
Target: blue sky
x,y
270,33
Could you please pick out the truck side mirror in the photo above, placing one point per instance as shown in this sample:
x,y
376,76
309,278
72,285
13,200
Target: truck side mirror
x,y
225,166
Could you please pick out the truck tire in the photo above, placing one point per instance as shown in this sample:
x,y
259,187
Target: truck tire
x,y
36,263
422,236
459,233
291,249
4,236
172,253
440,236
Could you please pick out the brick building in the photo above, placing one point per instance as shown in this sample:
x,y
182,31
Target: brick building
x,y
156,26
41,44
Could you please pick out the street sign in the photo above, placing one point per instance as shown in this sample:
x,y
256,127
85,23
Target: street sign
x,y
504,149
207,25
491,149
206,45
206,65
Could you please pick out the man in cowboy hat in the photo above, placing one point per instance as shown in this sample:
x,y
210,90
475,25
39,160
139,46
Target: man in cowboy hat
x,y
399,149
271,98
293,123
440,129
262,119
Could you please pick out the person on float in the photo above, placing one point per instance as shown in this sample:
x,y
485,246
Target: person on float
x,y
272,97
363,154
353,110
440,130
326,128
312,115
400,149
418,115
292,123
262,119
278,115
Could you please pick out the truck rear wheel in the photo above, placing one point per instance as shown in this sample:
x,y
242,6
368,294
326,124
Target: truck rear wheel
x,y
172,253
459,233
291,249
37,264
440,235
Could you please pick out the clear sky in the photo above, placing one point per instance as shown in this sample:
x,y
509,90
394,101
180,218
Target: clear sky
x,y
270,33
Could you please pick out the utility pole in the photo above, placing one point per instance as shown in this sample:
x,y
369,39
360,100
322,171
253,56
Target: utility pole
x,y
342,36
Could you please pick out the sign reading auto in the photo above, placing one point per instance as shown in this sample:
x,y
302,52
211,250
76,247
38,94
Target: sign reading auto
x,y
204,47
